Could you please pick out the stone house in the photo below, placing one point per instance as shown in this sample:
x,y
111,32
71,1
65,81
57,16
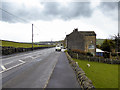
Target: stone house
x,y
82,40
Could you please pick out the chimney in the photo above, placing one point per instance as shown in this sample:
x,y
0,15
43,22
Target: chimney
x,y
75,30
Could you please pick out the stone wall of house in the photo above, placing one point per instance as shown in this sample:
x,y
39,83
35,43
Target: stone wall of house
x,y
75,41
90,40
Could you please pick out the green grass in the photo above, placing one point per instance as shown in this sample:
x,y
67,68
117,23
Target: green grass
x,y
99,41
22,45
102,75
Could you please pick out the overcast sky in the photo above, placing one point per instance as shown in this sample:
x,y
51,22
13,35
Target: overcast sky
x,y
55,19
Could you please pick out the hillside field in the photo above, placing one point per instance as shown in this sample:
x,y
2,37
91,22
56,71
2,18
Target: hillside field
x,y
99,41
21,45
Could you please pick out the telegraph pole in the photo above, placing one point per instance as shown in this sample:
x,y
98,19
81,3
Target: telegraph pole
x,y
32,36
117,44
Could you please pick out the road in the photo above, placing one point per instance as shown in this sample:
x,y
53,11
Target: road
x,y
63,75
32,69
44,68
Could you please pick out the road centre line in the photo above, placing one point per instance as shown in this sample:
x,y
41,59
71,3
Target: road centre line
x,y
22,61
8,63
50,75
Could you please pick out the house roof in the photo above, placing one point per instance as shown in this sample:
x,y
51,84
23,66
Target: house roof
x,y
88,33
84,33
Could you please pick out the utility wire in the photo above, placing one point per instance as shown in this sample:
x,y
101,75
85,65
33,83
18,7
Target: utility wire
x,y
36,27
19,18
14,15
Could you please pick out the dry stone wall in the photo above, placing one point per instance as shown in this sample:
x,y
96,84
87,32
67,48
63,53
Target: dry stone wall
x,y
11,50
83,80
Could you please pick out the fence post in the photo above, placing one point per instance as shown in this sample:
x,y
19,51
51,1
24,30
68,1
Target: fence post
x,y
111,61
105,60
77,55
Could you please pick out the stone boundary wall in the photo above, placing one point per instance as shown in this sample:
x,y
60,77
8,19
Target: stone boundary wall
x,y
96,59
11,50
83,80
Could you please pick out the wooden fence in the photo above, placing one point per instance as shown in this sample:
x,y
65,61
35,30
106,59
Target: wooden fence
x,y
96,59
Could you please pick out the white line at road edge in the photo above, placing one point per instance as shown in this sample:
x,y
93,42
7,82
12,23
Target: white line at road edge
x,y
22,62
50,75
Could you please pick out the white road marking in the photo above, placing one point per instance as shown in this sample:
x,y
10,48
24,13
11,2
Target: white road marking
x,y
3,67
50,75
22,62
8,63
28,58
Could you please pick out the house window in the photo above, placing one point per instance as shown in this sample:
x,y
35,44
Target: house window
x,y
91,47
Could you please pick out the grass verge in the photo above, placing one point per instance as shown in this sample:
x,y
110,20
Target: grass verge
x,y
102,75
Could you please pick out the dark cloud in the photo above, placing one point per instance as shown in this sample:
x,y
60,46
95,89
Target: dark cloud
x,y
71,11
20,12
51,10
110,9
76,10
109,5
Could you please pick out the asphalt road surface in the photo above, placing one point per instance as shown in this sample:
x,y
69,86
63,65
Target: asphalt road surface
x,y
63,75
30,69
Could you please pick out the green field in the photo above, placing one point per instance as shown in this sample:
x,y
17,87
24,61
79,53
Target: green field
x,y
22,45
99,41
102,75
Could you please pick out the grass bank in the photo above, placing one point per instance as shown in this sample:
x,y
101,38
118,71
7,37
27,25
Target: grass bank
x,y
21,45
99,41
102,75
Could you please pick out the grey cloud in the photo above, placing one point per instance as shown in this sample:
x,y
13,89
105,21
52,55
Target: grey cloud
x,y
119,12
71,11
52,10
15,9
109,5
110,9
76,10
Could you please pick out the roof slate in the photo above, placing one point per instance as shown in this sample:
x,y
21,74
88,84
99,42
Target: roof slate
x,y
88,33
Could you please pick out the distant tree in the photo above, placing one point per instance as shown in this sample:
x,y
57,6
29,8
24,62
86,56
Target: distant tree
x,y
116,38
108,45
98,46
